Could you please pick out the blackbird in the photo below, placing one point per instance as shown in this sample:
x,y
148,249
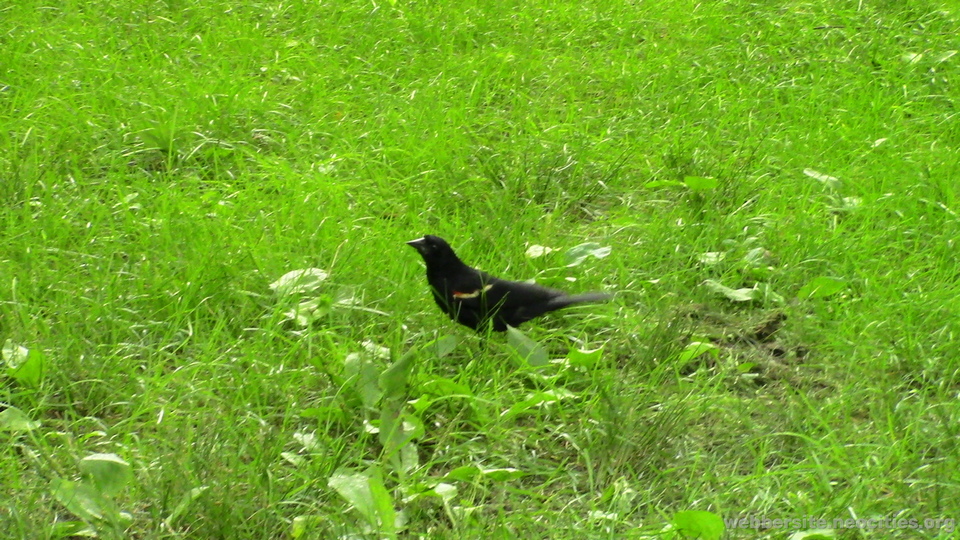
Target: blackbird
x,y
476,299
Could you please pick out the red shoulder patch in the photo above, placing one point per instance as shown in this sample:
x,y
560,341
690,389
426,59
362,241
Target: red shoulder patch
x,y
467,295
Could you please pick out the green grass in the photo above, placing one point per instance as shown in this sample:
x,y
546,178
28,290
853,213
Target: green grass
x,y
162,163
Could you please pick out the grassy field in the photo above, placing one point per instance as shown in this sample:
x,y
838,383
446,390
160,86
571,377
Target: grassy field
x,y
777,184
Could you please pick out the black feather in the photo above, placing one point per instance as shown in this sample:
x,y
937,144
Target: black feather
x,y
476,299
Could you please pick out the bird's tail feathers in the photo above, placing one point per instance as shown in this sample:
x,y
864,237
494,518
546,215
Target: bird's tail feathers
x,y
586,298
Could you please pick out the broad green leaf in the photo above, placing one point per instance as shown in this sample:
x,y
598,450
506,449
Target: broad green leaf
x,y
537,399
367,494
364,373
502,475
109,473
944,56
654,184
409,458
737,295
463,474
445,491
695,349
757,257
577,254
827,180
31,372
14,355
72,529
303,281
535,251
746,367
822,287
14,420
700,183
850,203
711,257
911,57
293,459
699,524
354,487
765,292
384,505
393,380
469,473
527,349
304,524
376,351
585,358
441,387
308,311
309,441
445,346
397,433
24,365
81,499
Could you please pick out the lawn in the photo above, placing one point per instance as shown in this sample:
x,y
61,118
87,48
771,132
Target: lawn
x,y
212,328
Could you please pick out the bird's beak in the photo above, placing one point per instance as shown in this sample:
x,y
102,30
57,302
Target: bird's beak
x,y
417,244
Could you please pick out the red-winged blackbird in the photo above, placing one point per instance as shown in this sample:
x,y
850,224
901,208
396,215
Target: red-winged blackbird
x,y
474,298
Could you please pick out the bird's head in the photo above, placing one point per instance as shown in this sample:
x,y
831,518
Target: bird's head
x,y
436,252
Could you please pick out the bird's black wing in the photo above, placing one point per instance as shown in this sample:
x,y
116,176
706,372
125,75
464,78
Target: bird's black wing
x,y
459,295
516,302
